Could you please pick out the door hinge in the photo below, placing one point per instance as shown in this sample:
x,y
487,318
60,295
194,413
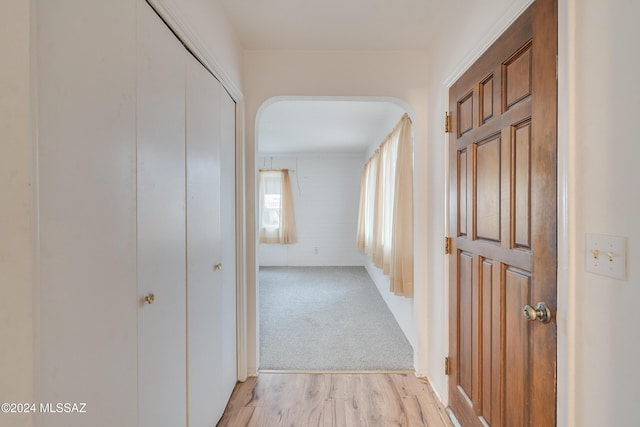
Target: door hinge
x,y
447,123
447,245
447,366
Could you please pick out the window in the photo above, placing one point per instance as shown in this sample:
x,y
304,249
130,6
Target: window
x,y
276,223
385,223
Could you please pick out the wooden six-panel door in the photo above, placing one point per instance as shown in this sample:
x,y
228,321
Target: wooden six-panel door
x,y
503,223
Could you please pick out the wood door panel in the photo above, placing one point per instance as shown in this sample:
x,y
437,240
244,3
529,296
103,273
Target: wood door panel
x,y
465,114
503,215
517,258
486,342
517,77
517,288
487,179
497,347
521,221
486,99
463,186
465,359
519,112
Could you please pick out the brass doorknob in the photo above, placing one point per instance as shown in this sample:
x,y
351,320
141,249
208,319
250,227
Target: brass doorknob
x,y
217,267
149,299
541,313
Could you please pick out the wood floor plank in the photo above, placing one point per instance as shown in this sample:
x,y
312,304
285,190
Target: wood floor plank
x,y
328,414
333,400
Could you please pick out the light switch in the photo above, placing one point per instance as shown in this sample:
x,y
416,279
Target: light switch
x,y
606,255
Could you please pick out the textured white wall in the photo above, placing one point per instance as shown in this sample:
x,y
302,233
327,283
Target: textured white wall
x,y
326,196
17,209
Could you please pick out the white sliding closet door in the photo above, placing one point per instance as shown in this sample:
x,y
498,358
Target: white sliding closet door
x,y
228,364
211,258
204,262
161,224
85,311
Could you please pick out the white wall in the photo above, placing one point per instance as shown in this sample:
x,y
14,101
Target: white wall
x,y
17,209
326,197
603,195
401,75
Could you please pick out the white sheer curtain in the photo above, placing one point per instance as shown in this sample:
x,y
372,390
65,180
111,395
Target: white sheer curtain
x,y
401,270
385,220
276,220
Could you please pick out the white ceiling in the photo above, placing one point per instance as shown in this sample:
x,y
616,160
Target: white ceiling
x,y
345,25
324,126
336,24
305,126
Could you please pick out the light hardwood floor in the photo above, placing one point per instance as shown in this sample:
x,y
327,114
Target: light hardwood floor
x,y
333,400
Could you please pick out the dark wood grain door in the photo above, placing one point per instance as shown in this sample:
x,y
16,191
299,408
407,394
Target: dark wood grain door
x,y
503,220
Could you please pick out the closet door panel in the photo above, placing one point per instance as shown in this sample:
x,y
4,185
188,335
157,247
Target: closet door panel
x,y
85,310
204,263
228,367
161,224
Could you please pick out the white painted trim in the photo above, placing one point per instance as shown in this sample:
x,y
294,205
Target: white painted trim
x,y
452,417
189,37
356,372
241,251
341,154
275,99
566,320
510,15
35,213
446,204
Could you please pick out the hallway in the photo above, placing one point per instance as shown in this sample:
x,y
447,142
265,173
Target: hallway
x,y
336,400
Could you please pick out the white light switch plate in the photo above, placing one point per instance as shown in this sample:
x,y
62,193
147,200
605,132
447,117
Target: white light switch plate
x,y
606,255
